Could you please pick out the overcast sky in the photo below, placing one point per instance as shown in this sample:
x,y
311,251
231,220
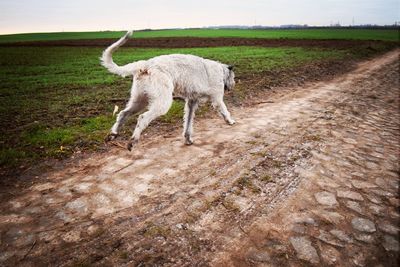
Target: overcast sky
x,y
18,16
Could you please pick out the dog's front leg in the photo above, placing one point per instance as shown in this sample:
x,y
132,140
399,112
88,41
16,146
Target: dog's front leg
x,y
190,109
220,105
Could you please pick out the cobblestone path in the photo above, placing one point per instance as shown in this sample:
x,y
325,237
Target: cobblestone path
x,y
345,211
309,179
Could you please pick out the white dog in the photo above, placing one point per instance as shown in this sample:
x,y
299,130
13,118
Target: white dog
x,y
155,80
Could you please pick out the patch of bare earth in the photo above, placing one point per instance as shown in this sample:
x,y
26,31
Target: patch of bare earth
x,y
309,177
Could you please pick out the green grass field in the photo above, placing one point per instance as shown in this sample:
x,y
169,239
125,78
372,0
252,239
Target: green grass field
x,y
55,98
358,34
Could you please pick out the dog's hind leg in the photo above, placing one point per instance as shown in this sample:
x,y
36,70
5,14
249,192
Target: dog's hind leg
x,y
220,105
190,109
135,104
158,107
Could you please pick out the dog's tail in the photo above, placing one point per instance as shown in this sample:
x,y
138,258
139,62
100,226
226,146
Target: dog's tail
x,y
108,63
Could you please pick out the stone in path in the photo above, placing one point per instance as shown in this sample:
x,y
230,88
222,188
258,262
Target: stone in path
x,y
304,249
388,228
390,243
258,256
363,225
329,239
342,236
365,238
329,254
326,198
350,195
354,206
362,184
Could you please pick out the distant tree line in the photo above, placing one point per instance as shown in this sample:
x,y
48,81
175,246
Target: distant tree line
x,y
396,25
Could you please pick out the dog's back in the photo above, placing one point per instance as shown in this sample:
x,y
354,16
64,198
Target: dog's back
x,y
190,74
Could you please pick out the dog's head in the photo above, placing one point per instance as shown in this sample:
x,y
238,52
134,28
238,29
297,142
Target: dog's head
x,y
229,77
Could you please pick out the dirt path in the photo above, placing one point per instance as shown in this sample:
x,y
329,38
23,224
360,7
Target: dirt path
x,y
310,178
182,42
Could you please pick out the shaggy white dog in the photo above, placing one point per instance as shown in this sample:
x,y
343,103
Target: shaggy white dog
x,y
157,79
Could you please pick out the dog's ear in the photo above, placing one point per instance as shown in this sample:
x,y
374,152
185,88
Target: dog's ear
x,y
230,67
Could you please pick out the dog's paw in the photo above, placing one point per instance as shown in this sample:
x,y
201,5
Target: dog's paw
x,y
188,142
131,144
110,137
231,122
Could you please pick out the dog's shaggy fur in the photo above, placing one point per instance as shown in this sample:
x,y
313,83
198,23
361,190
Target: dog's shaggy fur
x,y
157,79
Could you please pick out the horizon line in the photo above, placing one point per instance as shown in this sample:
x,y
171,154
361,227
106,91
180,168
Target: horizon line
x,y
226,27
